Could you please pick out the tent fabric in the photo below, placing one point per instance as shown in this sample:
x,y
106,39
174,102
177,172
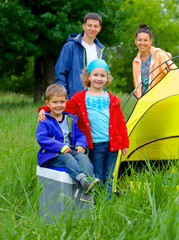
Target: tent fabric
x,y
155,117
153,126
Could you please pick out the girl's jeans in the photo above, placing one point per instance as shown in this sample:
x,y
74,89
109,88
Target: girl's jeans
x,y
77,164
104,162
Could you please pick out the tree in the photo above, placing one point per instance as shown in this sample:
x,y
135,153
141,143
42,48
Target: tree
x,y
162,18
46,29
36,30
50,25
16,38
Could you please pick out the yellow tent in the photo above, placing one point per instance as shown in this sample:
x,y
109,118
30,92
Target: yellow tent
x,y
153,126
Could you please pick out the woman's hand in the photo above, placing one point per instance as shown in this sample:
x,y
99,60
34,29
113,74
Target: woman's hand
x,y
42,116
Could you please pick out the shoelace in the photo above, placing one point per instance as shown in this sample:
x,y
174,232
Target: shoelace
x,y
88,179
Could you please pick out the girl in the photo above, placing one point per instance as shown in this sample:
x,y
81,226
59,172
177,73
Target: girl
x,y
101,119
147,59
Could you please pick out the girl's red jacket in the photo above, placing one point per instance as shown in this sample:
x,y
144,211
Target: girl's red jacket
x,y
118,136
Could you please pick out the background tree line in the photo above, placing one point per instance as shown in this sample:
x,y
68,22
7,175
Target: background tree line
x,y
32,34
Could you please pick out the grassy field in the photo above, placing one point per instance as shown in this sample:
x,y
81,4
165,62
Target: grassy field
x,y
151,211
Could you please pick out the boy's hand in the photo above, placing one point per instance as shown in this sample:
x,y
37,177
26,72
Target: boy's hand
x,y
124,151
80,149
42,116
67,150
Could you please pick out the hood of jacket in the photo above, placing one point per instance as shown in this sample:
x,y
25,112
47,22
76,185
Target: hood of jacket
x,y
77,37
153,51
75,118
80,97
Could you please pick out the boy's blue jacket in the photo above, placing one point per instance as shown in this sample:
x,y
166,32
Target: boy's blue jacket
x,y
71,62
51,138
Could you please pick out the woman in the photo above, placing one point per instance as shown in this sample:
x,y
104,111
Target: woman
x,y
147,59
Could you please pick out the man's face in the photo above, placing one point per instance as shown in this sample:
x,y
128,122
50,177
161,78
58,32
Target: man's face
x,y
91,28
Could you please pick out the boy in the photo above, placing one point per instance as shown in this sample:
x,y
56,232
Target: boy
x,y
57,149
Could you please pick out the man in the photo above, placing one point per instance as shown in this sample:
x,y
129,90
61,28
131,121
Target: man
x,y
79,50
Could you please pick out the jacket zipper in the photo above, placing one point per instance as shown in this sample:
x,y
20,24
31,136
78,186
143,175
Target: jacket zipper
x,y
60,127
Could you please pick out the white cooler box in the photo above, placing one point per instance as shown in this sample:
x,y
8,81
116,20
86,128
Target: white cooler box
x,y
60,193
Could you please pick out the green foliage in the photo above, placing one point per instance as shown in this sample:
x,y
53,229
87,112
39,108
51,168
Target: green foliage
x,y
16,38
24,83
55,20
160,16
39,28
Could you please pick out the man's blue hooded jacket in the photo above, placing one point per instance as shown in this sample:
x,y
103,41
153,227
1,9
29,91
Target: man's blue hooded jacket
x,y
72,61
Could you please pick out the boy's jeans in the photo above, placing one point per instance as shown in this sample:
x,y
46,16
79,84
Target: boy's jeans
x,y
77,164
104,162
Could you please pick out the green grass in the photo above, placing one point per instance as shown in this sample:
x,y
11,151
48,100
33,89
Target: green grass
x,y
150,211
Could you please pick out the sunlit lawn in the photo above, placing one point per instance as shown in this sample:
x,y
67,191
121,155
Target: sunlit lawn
x,y
151,211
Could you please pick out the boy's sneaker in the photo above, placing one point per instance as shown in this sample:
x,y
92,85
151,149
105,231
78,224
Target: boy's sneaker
x,y
89,183
86,197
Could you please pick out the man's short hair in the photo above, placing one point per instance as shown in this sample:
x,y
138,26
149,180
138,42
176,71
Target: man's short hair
x,y
55,89
94,16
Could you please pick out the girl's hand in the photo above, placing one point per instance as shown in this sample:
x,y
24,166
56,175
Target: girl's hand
x,y
80,149
124,151
42,116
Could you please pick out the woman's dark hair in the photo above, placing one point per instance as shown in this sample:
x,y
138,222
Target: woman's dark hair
x,y
143,29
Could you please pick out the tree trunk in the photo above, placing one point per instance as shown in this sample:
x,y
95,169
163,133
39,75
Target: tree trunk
x,y
48,68
38,91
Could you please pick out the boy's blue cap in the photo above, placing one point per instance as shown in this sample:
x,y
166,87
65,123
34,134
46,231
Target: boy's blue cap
x,y
97,63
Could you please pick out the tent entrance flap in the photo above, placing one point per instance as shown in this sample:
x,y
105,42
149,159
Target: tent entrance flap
x,y
151,133
153,125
